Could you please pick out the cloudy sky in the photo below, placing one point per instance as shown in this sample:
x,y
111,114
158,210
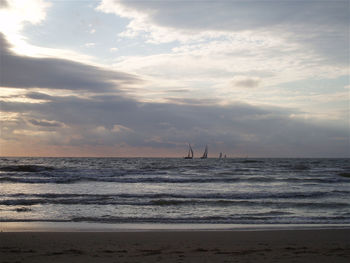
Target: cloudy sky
x,y
145,78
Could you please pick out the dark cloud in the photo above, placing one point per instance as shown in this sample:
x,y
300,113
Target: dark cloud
x,y
45,123
179,90
247,83
38,96
28,72
235,129
3,4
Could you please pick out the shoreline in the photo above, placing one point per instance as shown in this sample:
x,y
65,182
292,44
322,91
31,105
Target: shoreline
x,y
145,227
322,245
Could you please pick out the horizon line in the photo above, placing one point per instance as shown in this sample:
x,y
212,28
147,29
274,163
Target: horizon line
x,y
180,157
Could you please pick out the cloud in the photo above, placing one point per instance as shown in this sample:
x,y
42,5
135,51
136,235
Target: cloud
x,y
318,25
120,128
178,90
3,4
53,73
192,101
15,14
230,15
212,69
92,31
248,45
19,12
45,123
246,82
38,96
91,44
112,121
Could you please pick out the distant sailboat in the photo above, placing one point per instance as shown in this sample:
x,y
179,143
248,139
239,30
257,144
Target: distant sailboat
x,y
220,155
225,156
190,152
205,154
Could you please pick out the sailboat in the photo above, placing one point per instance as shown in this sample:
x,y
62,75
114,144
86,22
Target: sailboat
x,y
220,155
205,154
190,152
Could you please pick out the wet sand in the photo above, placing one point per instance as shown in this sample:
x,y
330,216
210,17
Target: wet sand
x,y
177,246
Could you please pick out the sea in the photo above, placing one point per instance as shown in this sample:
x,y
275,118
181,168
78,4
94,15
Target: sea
x,y
156,191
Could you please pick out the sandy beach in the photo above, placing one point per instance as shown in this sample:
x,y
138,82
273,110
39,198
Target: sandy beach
x,y
177,246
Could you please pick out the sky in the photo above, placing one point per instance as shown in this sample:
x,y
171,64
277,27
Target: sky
x,y
145,78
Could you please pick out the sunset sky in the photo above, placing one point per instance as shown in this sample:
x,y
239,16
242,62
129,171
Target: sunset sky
x,y
145,78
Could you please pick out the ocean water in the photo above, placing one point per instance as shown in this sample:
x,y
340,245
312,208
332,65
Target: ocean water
x,y
175,191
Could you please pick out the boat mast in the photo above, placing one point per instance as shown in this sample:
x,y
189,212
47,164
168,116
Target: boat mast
x,y
205,154
191,151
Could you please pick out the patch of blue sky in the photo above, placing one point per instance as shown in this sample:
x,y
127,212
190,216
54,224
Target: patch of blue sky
x,y
78,26
68,23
